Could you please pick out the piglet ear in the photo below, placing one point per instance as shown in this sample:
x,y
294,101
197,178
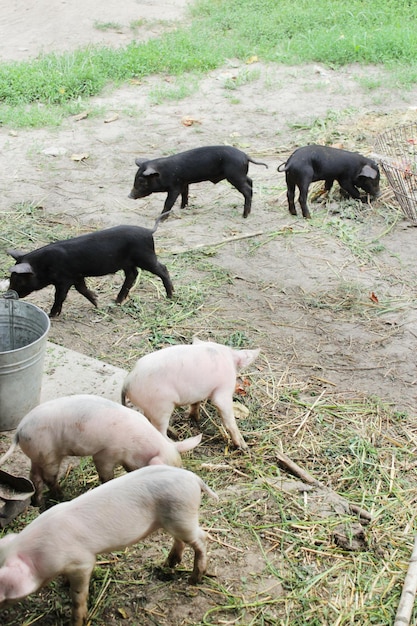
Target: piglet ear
x,y
140,162
22,268
16,580
188,444
150,171
368,171
16,254
245,357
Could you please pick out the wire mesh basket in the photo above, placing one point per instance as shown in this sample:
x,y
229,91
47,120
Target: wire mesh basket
x,y
397,154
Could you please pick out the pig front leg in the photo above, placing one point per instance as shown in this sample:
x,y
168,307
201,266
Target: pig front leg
x,y
79,581
169,202
350,188
225,408
131,274
61,291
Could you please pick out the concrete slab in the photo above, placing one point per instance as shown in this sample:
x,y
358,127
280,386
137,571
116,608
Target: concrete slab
x,y
67,372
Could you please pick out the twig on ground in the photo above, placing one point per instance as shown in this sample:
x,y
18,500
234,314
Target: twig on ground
x,y
298,471
405,607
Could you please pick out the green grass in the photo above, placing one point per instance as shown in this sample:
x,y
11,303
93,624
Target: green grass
x,y
377,32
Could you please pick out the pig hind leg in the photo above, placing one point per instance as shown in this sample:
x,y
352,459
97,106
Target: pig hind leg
x,y
82,288
302,199
194,414
244,185
158,269
196,539
184,196
45,474
290,194
225,408
104,462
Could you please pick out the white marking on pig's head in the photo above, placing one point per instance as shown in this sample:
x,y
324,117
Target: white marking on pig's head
x,y
22,268
140,162
368,171
150,171
16,254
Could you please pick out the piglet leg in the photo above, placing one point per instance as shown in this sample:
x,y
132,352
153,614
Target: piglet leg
x,y
225,408
79,580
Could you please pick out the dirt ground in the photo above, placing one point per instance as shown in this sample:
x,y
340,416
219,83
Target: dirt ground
x,y
306,292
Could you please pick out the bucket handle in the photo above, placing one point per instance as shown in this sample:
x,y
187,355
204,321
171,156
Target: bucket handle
x,y
12,295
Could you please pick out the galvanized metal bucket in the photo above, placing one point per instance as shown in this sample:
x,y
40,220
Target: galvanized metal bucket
x,y
23,333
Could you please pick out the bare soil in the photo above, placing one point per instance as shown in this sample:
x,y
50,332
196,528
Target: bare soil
x,y
301,290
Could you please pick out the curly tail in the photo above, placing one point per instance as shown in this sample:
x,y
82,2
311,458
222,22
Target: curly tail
x,y
257,162
207,489
282,165
160,218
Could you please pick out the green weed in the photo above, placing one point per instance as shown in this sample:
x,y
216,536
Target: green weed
x,y
323,32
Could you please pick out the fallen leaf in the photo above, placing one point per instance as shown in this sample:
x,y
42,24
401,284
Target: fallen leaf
x,y
373,297
135,81
122,613
407,172
252,59
112,118
189,121
241,383
80,116
240,411
79,157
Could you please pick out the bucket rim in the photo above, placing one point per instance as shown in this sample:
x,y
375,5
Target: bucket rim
x,y
42,314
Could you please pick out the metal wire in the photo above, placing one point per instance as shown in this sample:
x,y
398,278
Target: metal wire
x,y
397,153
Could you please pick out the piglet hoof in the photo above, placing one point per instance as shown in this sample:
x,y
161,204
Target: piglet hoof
x,y
241,445
195,578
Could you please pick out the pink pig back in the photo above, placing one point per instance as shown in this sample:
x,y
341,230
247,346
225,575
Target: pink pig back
x,y
181,375
82,425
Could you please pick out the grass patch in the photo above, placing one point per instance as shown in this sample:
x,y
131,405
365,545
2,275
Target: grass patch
x,y
349,32
176,89
297,574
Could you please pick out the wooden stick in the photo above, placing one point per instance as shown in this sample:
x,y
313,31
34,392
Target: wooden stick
x,y
218,243
301,473
405,607
296,470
